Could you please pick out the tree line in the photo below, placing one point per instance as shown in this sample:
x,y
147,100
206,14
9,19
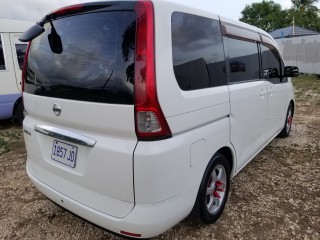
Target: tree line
x,y
269,15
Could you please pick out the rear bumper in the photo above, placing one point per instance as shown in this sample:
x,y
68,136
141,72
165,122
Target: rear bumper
x,y
149,220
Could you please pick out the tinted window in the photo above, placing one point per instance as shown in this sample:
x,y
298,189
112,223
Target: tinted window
x,y
21,51
2,62
244,60
271,60
197,50
96,63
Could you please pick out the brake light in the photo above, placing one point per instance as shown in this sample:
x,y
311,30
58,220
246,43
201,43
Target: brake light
x,y
149,119
68,9
24,69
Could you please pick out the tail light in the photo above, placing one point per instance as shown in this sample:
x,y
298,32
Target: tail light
x,y
149,119
24,69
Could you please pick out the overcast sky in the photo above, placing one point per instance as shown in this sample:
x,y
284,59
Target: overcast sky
x,y
34,10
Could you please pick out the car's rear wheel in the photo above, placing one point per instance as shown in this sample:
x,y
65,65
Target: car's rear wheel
x,y
213,191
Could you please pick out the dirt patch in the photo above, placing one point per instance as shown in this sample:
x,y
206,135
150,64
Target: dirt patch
x,y
276,196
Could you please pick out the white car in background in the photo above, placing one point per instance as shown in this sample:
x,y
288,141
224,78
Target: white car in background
x,y
12,53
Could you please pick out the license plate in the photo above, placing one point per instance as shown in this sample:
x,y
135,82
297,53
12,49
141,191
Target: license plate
x,y
64,153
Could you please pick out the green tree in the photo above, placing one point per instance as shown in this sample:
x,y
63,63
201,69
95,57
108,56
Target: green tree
x,y
302,5
267,15
307,18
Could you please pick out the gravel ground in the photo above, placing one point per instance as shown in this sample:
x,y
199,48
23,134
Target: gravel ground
x,y
276,196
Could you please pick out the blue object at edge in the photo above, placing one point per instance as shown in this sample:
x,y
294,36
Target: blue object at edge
x,y
6,105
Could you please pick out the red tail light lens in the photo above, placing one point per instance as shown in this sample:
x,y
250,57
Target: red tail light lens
x,y
150,120
24,69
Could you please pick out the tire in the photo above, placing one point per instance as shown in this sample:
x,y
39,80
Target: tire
x,y
19,113
213,191
288,123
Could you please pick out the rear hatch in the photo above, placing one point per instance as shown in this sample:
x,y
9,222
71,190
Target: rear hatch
x,y
78,95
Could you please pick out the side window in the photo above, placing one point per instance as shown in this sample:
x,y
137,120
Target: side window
x,y
197,51
21,51
2,61
243,60
271,63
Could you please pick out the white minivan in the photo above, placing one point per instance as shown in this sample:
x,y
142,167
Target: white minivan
x,y
138,113
12,53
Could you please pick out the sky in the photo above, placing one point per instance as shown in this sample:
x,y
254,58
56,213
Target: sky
x,y
34,10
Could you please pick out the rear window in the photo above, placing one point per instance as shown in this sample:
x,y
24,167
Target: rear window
x,y
96,63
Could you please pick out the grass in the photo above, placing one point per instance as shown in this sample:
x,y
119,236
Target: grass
x,y
9,134
4,146
305,83
307,87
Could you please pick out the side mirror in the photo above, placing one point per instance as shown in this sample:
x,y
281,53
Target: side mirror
x,y
291,71
270,73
